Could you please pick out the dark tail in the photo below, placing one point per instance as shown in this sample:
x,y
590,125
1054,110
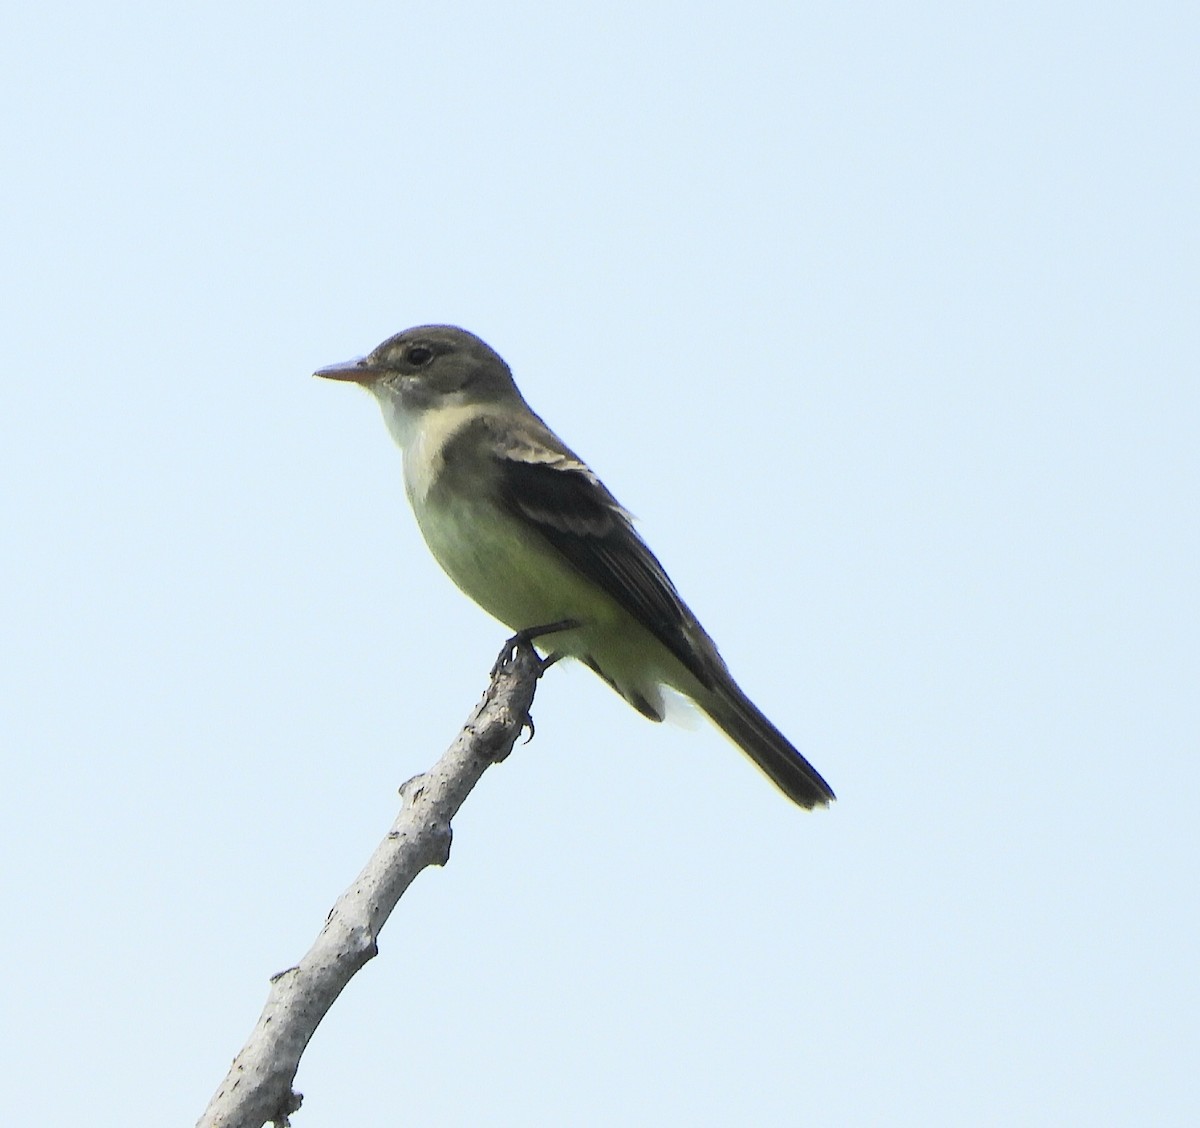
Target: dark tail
x,y
740,719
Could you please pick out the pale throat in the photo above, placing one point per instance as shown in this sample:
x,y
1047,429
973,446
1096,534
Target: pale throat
x,y
422,437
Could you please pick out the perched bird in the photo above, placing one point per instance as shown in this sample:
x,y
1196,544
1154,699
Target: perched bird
x,y
527,530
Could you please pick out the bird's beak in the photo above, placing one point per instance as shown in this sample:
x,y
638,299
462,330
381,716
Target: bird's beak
x,y
358,371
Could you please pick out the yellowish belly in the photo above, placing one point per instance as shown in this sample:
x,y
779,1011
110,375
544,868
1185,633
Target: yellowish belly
x,y
520,582
525,583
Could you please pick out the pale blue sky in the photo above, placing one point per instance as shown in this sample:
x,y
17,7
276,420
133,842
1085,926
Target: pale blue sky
x,y
882,318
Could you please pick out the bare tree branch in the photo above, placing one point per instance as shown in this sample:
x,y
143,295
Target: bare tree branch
x,y
258,1087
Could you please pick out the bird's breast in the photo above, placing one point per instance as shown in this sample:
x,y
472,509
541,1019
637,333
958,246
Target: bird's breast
x,y
424,448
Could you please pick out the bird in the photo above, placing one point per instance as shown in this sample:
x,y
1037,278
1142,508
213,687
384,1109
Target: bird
x,y
524,527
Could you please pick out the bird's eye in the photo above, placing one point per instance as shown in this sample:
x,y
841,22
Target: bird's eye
x,y
419,355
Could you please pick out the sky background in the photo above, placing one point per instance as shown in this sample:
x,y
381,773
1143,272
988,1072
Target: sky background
x,y
883,318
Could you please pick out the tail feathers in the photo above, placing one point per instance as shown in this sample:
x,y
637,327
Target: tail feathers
x,y
741,720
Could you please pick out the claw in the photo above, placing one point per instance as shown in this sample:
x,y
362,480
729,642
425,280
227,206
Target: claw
x,y
526,637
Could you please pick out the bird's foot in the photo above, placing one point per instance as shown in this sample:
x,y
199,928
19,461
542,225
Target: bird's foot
x,y
526,637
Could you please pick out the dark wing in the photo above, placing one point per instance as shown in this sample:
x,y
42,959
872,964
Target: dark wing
x,y
558,496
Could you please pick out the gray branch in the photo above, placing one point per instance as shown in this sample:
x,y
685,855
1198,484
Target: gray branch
x,y
258,1087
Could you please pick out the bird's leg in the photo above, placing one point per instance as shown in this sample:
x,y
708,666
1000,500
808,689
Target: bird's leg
x,y
526,638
